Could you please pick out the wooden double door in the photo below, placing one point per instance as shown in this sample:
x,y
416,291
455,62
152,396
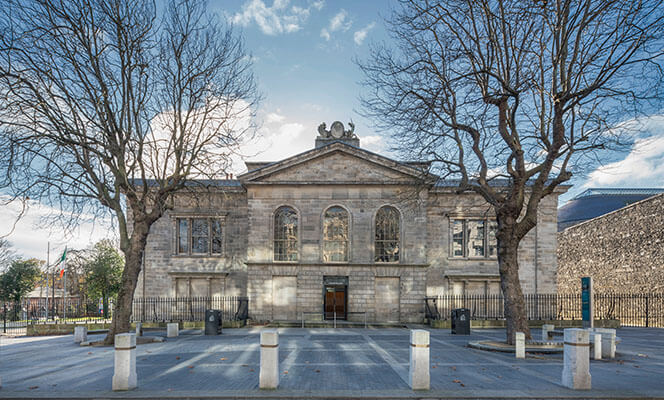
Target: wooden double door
x,y
336,301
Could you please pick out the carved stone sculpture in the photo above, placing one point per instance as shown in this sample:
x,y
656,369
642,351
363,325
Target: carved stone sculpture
x,y
336,131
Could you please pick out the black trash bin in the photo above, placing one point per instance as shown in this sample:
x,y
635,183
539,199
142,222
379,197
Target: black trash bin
x,y
461,321
212,322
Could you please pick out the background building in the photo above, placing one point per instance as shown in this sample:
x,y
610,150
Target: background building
x,y
595,202
621,250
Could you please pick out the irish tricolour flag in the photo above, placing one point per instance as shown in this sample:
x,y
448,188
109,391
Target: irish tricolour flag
x,y
62,262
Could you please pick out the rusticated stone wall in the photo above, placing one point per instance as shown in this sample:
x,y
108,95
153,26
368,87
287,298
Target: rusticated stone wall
x,y
623,251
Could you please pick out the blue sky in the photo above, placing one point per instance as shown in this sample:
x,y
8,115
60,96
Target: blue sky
x,y
303,53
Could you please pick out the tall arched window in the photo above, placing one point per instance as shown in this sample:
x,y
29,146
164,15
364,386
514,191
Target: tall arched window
x,y
335,234
285,234
387,235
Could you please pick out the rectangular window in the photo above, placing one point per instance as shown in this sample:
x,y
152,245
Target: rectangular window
x,y
199,236
492,245
475,238
456,226
215,228
472,238
183,236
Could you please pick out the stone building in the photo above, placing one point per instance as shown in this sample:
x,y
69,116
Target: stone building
x,y
621,250
337,229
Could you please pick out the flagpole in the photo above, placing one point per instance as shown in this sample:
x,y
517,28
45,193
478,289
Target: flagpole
x,y
48,261
64,294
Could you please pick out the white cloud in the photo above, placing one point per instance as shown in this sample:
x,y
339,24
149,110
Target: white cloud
x,y
276,19
274,117
279,138
360,35
31,234
373,143
643,166
338,22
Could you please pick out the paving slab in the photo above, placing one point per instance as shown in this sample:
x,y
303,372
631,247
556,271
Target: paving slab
x,y
322,363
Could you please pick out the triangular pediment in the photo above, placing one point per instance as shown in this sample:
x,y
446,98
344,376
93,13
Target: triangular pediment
x,y
337,163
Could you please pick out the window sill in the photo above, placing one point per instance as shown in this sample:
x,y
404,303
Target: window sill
x,y
198,255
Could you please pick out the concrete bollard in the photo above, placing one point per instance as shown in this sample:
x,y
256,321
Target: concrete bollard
x,y
124,377
520,345
608,342
596,348
269,373
546,328
172,329
418,378
80,334
576,367
139,329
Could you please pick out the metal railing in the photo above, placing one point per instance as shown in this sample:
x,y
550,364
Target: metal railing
x,y
334,317
16,316
162,309
632,309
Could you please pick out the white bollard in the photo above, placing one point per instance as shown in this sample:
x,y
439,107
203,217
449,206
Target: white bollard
x,y
80,334
418,378
139,329
608,342
546,328
576,367
124,377
172,329
596,348
520,345
269,373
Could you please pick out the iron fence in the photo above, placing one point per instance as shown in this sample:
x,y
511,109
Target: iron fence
x,y
162,309
15,316
632,309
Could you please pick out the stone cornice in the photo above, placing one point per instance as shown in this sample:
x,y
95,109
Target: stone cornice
x,y
340,264
270,169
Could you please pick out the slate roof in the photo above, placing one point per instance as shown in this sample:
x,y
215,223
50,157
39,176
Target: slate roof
x,y
595,202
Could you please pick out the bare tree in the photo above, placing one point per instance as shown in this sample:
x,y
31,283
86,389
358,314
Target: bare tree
x,y
513,97
7,255
107,107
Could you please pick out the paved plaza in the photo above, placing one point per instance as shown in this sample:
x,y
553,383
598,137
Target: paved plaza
x,y
322,363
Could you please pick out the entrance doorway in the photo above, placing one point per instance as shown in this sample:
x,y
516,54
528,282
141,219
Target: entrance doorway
x,y
335,299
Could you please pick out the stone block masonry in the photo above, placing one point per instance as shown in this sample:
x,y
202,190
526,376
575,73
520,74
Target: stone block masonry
x,y
576,361
124,376
418,377
269,367
80,334
520,345
172,329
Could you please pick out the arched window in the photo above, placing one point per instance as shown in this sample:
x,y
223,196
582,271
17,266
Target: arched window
x,y
335,234
387,235
285,234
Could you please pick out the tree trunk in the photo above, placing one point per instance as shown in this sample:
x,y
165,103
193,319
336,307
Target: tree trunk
x,y
133,252
105,304
515,307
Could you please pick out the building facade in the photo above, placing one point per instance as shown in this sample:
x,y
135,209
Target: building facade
x,y
339,231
